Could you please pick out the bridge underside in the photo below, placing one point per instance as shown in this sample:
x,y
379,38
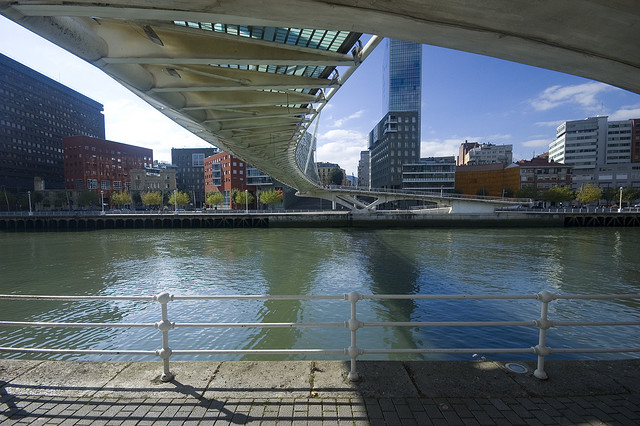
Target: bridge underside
x,y
249,77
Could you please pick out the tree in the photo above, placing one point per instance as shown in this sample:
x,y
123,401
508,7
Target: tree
x,y
232,197
121,198
37,197
630,194
152,198
88,198
589,193
482,192
242,198
271,197
335,176
180,198
215,198
558,194
507,193
610,194
530,192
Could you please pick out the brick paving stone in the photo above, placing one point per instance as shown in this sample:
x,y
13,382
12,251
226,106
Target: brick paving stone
x,y
521,411
527,403
391,418
513,418
433,411
499,404
483,418
543,417
403,411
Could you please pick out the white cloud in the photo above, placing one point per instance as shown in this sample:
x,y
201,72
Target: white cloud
x,y
442,148
340,122
342,147
133,122
625,113
537,143
584,95
553,124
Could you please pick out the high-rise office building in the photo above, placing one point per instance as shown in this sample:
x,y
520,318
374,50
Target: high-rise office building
x,y
395,140
36,113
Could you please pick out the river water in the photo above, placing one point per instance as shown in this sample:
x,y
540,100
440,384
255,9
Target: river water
x,y
318,262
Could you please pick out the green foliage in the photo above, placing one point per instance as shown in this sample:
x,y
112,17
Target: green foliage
x,y
215,198
151,198
88,198
610,194
271,197
528,192
557,194
241,198
482,192
589,193
181,197
508,193
120,198
335,176
630,194
60,199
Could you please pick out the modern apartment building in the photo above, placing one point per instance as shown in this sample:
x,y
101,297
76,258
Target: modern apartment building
x,y
189,163
100,165
36,113
223,172
605,153
430,174
395,140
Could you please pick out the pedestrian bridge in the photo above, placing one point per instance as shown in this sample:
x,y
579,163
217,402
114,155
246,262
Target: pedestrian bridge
x,y
250,77
361,200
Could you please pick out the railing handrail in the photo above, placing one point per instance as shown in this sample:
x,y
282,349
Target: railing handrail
x,y
543,323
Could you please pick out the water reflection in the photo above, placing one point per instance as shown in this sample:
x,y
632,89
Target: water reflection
x,y
317,261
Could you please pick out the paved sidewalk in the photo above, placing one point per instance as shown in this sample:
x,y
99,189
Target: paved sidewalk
x,y
318,393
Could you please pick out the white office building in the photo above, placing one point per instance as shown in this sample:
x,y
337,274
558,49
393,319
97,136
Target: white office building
x,y
600,151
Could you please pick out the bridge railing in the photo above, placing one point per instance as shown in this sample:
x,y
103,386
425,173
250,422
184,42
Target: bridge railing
x,y
352,322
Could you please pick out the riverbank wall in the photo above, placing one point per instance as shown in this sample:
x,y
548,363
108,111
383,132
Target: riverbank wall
x,y
71,221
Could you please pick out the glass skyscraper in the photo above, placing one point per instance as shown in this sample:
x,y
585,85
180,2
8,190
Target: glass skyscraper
x,y
395,140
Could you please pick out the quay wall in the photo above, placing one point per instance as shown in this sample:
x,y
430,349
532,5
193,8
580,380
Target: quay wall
x,y
321,219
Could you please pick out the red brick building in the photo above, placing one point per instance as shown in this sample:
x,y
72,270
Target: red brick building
x,y
224,173
101,165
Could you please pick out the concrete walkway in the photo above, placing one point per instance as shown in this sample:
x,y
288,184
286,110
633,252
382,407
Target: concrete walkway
x,y
318,393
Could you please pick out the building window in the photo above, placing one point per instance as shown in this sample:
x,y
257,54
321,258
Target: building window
x,y
92,183
105,184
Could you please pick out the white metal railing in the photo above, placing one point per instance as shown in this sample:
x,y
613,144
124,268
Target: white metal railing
x,y
543,323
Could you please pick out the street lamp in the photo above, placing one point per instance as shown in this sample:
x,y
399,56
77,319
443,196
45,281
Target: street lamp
x,y
246,201
102,200
175,201
30,212
620,205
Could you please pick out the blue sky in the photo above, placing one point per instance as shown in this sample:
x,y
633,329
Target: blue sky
x,y
464,97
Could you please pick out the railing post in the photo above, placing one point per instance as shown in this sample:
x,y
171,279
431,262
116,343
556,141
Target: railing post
x,y
164,326
353,324
543,324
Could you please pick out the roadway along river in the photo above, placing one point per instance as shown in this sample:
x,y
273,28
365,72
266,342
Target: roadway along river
x,y
315,262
